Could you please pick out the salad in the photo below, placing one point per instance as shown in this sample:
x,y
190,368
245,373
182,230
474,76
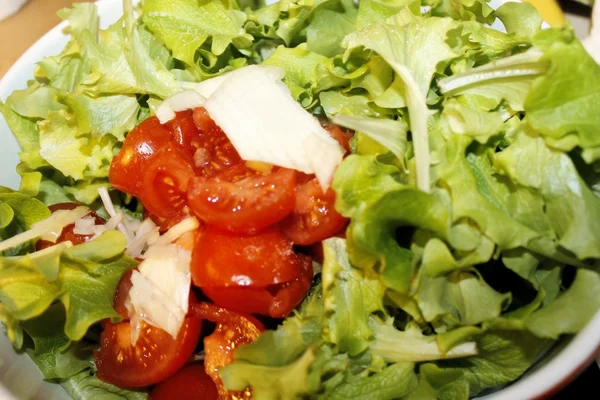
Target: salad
x,y
305,200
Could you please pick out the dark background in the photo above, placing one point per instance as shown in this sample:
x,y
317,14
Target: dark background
x,y
584,387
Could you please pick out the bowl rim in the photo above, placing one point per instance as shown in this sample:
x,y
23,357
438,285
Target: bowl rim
x,y
581,351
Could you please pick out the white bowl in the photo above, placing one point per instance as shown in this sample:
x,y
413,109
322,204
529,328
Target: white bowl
x,y
21,379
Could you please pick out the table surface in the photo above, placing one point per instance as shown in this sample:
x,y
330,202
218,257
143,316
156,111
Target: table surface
x,y
39,16
21,30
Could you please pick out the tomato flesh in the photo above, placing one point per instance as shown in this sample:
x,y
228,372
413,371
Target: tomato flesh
x,y
314,217
247,205
276,301
127,167
68,232
215,152
340,135
155,356
190,383
232,331
184,132
121,295
165,182
222,259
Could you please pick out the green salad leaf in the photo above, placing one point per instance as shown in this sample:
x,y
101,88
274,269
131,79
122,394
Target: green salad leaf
x,y
84,278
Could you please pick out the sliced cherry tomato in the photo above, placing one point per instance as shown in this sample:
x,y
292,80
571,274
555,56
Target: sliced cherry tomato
x,y
121,295
127,167
165,181
246,206
275,301
190,383
68,233
314,217
232,331
155,356
203,121
215,152
342,136
223,259
184,131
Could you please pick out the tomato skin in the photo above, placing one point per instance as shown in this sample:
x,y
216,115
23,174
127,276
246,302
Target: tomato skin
x,y
165,181
121,295
276,301
222,259
68,233
184,132
127,167
232,331
190,383
155,357
246,206
314,217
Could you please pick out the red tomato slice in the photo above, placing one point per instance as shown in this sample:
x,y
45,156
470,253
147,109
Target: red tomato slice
x,y
215,152
68,233
190,383
184,131
342,136
232,331
121,295
314,217
165,181
127,167
155,357
246,206
276,301
222,259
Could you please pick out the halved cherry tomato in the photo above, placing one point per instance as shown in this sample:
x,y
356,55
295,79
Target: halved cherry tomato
x,y
314,217
184,131
276,301
246,206
68,233
203,121
190,383
232,331
121,295
165,181
155,357
127,167
215,152
342,136
222,259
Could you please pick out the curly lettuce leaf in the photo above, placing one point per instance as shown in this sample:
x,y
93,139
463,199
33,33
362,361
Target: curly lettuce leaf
x,y
410,345
86,385
423,51
349,297
18,212
83,278
520,19
570,206
557,317
466,10
503,357
308,73
462,298
562,102
184,25
54,354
